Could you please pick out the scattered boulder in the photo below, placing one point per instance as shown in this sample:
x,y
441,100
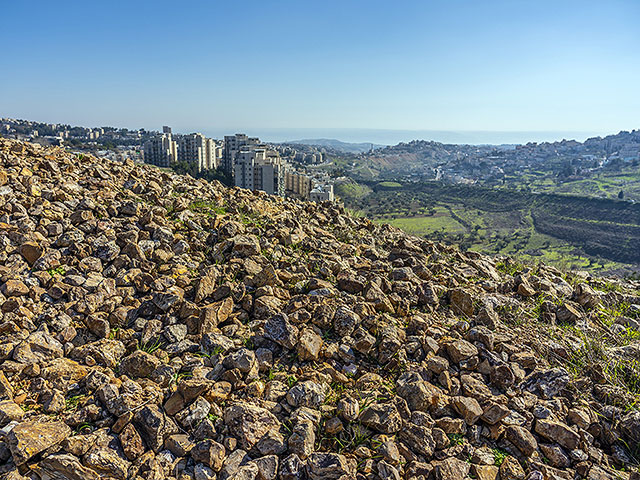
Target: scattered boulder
x,y
30,438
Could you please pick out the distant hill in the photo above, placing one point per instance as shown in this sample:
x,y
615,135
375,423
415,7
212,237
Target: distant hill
x,y
337,144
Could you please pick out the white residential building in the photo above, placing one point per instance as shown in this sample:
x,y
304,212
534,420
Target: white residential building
x,y
161,150
232,145
259,169
198,149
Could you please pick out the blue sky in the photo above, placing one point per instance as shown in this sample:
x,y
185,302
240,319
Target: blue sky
x,y
565,66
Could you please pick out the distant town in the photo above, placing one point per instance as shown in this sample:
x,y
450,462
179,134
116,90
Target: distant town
x,y
316,169
238,159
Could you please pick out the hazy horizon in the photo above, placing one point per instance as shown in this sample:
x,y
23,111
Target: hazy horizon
x,y
393,137
380,136
359,135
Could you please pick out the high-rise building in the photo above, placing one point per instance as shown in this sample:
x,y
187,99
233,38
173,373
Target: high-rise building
x,y
198,149
161,150
298,184
166,129
232,145
259,169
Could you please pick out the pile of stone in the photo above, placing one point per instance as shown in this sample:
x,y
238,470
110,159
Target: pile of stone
x,y
154,326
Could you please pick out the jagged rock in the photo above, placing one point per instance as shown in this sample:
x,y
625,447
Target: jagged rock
x,y
461,301
452,469
14,288
568,313
179,444
547,383
468,408
630,426
38,347
244,360
302,440
30,438
267,467
522,438
486,472
419,439
249,423
460,350
214,314
348,408
419,394
154,426
245,245
387,471
31,252
210,453
383,418
245,472
511,468
65,466
131,442
345,321
106,352
107,461
9,411
139,364
557,432
309,345
306,394
556,456
207,284
291,468
281,331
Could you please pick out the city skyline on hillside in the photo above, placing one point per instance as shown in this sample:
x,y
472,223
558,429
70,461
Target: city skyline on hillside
x,y
361,136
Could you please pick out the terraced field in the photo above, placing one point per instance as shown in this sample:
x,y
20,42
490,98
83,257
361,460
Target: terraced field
x,y
601,235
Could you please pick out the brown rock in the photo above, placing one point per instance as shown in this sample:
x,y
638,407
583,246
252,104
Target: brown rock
x,y
31,252
139,364
30,438
468,408
131,442
522,439
214,314
210,453
14,288
511,469
452,469
309,345
558,433
461,301
486,472
460,350
9,411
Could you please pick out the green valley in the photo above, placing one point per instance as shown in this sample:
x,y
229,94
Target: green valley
x,y
570,231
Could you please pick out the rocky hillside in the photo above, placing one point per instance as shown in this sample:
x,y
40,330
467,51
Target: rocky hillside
x,y
154,326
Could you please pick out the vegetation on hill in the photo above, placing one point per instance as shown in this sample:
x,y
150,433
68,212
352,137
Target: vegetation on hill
x,y
561,229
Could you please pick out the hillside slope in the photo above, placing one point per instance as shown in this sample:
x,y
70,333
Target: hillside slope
x,y
155,326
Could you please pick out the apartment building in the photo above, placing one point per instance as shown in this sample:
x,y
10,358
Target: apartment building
x,y
198,149
298,184
162,150
259,169
232,145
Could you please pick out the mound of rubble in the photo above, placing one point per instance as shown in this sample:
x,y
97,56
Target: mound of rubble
x,y
154,326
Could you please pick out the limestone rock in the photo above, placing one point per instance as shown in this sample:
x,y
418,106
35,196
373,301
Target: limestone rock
x,y
30,438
